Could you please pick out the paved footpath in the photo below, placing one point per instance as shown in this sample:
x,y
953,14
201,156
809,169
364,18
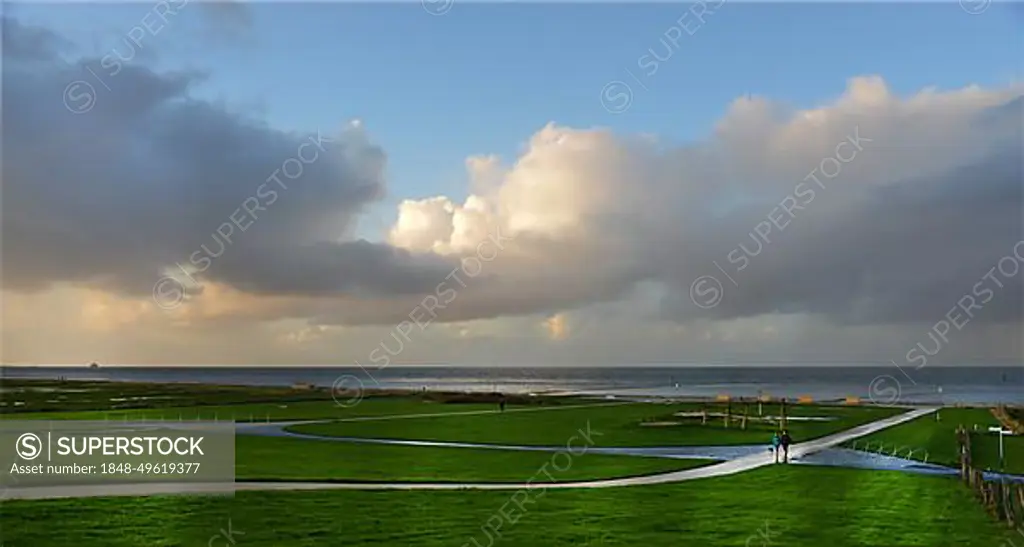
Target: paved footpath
x,y
386,417
738,465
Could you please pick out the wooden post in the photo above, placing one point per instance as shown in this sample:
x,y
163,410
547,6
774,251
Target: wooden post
x,y
728,413
746,412
997,491
1020,498
962,453
784,426
1017,494
1008,511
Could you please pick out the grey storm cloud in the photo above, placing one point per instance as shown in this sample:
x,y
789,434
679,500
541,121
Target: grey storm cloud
x,y
151,178
147,176
886,253
927,217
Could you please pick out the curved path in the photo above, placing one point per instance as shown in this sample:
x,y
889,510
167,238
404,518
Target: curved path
x,y
738,465
831,457
388,417
846,457
676,452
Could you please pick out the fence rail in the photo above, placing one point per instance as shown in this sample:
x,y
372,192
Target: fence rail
x,y
1003,499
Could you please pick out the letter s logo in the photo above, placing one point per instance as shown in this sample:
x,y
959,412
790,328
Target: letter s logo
x,y
29,446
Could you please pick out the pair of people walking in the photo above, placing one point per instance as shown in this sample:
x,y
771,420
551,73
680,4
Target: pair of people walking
x,y
781,442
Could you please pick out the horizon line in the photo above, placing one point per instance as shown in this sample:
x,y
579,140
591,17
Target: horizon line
x,y
765,364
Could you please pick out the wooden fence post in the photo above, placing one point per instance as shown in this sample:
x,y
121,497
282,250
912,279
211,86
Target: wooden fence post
x,y
1002,499
1008,505
1020,504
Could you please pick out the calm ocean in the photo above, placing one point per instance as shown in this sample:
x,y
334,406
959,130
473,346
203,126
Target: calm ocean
x,y
882,384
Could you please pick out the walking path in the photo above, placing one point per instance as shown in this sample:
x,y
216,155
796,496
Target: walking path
x,y
241,425
678,452
845,457
831,457
745,463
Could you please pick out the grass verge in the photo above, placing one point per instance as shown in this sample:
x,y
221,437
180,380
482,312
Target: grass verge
x,y
792,506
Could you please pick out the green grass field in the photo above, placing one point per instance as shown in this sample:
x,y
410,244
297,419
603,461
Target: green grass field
x,y
619,425
73,400
779,505
775,505
259,412
274,458
271,458
937,439
67,396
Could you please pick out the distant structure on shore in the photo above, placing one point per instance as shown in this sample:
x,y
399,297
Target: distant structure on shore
x,y
94,364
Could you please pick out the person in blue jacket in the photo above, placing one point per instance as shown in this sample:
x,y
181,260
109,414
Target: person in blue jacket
x,y
776,442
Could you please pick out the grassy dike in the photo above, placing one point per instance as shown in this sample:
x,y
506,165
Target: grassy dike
x,y
269,458
620,425
937,439
776,505
788,505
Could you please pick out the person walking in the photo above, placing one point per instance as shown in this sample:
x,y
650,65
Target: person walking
x,y
776,441
502,404
786,441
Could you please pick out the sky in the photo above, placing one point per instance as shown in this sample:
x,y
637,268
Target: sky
x,y
629,157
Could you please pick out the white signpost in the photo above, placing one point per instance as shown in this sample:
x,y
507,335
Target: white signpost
x,y
1001,432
